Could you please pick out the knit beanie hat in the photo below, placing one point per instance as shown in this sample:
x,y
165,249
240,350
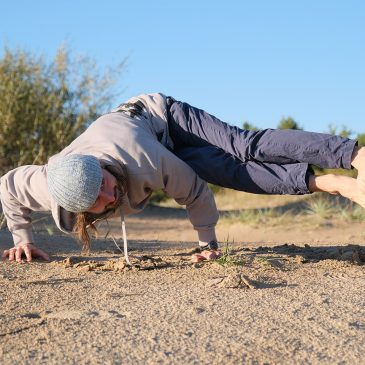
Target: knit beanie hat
x,y
74,182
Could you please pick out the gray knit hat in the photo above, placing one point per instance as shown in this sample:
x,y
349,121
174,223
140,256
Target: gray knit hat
x,y
74,182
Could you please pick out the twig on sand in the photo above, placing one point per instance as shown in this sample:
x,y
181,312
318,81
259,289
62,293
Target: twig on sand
x,y
40,323
247,282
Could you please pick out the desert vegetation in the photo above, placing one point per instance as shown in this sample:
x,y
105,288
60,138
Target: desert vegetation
x,y
318,209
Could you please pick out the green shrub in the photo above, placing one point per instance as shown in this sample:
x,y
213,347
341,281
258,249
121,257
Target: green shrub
x,y
45,105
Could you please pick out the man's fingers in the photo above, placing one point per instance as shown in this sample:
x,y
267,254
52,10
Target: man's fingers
x,y
28,253
11,254
197,257
5,254
205,255
18,254
15,254
31,251
211,255
40,253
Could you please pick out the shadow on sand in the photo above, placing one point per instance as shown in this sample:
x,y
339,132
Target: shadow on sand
x,y
351,253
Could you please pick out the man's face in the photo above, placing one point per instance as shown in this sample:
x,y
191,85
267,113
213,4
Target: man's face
x,y
108,195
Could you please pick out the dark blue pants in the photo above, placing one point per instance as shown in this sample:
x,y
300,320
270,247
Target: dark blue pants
x,y
263,162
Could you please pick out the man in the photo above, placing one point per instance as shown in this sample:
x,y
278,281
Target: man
x,y
154,142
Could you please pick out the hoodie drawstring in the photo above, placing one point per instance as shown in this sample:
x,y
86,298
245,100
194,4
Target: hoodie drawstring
x,y
125,242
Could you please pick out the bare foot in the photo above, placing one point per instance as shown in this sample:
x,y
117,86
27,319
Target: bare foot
x,y
352,190
345,186
358,162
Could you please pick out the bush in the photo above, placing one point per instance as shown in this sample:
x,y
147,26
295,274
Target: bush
x,y
288,123
361,139
45,105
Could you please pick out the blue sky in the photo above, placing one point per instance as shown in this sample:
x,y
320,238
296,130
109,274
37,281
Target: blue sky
x,y
254,61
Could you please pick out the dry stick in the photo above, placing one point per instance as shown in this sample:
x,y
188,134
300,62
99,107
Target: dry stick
x,y
247,282
43,321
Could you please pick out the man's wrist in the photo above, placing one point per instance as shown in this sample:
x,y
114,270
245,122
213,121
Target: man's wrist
x,y
210,246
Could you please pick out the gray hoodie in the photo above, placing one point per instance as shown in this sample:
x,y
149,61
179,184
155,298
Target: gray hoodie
x,y
139,143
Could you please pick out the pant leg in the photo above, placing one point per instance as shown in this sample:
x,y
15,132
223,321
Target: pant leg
x,y
190,126
220,168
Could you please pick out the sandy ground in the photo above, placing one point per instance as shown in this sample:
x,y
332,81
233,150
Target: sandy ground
x,y
285,295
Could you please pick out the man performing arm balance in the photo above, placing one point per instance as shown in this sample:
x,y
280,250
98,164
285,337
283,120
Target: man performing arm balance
x,y
154,142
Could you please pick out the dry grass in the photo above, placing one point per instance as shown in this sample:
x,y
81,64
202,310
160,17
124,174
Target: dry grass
x,y
279,210
321,207
258,217
233,200
308,209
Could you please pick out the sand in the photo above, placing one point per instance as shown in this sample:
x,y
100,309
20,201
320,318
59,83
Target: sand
x,y
284,295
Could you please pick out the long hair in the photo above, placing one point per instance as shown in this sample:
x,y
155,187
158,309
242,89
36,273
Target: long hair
x,y
86,221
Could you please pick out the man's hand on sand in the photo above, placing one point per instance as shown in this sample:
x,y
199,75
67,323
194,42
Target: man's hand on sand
x,y
27,249
205,255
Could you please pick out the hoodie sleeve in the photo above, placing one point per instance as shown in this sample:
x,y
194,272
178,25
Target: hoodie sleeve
x,y
187,188
22,191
